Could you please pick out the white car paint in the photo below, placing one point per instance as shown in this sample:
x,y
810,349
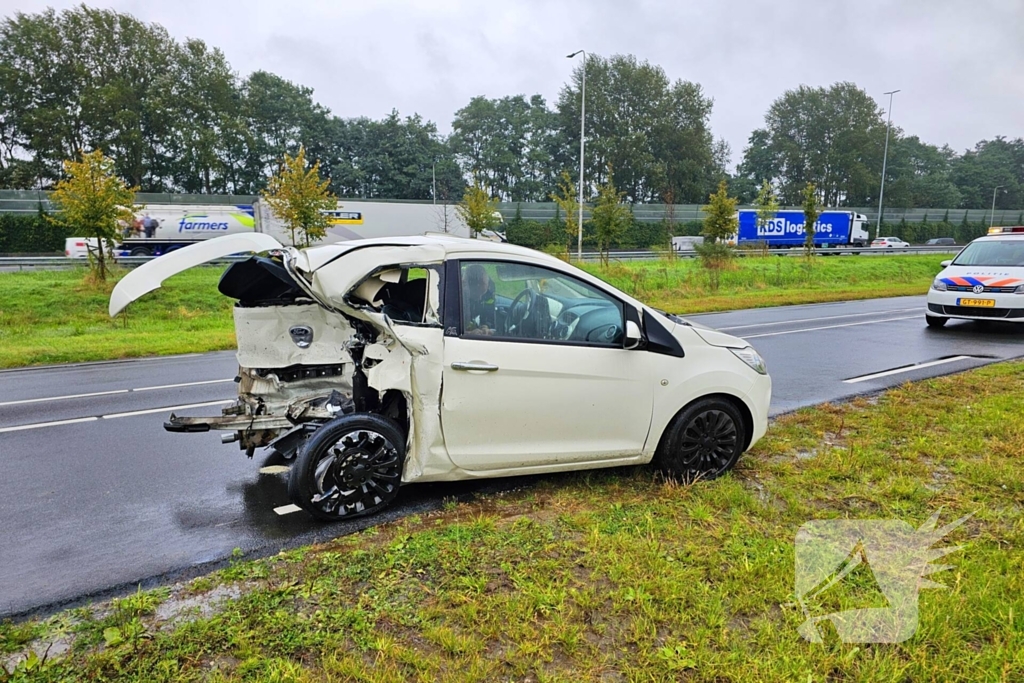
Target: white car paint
x,y
1000,285
151,275
539,407
888,243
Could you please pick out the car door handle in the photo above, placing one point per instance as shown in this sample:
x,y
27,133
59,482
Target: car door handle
x,y
474,365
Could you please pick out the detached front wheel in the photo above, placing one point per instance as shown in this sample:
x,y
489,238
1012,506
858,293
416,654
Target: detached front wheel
x,y
352,466
702,442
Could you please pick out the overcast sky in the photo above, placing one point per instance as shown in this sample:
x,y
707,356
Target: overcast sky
x,y
959,63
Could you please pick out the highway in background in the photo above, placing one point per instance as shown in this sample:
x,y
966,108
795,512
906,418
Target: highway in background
x,y
96,496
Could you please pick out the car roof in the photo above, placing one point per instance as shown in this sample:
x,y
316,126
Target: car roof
x,y
1009,236
452,245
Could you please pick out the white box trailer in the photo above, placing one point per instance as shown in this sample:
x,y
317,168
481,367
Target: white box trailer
x,y
353,219
173,226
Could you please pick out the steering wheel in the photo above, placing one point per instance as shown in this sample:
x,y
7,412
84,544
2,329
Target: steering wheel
x,y
522,306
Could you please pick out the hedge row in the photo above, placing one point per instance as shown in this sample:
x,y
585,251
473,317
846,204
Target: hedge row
x,y
637,235
30,234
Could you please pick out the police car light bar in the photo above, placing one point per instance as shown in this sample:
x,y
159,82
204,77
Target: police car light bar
x,y
1000,231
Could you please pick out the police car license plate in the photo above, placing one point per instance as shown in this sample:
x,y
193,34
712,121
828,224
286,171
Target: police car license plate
x,y
980,303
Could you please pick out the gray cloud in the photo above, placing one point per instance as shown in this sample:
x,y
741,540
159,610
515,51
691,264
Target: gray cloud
x,y
958,64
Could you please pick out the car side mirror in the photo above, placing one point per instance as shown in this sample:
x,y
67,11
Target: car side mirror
x,y
945,264
633,336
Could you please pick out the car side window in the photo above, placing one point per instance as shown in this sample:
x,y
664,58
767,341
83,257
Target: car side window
x,y
516,301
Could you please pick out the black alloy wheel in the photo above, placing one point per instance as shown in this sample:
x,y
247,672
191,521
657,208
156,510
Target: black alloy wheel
x,y
350,467
703,441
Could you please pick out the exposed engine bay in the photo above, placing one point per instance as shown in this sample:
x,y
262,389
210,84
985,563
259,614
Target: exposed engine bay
x,y
302,364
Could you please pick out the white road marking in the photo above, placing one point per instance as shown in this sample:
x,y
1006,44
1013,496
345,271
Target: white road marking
x,y
827,317
287,509
274,469
61,398
114,391
909,368
827,327
37,425
185,384
150,411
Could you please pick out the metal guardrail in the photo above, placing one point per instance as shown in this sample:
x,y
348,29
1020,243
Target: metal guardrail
x,y
591,256
10,263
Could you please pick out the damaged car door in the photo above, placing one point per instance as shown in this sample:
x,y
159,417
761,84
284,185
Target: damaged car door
x,y
535,371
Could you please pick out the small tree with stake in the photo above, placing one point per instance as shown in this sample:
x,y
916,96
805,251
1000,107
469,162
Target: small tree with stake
x,y
610,216
299,198
477,210
567,201
93,201
766,205
720,223
810,196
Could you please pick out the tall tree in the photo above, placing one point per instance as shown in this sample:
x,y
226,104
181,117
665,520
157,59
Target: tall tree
x,y
508,145
992,163
653,131
830,136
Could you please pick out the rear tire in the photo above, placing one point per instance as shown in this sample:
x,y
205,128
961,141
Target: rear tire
x,y
703,441
935,320
350,467
141,251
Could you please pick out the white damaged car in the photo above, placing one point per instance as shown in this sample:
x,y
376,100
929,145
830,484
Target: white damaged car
x,y
984,282
385,362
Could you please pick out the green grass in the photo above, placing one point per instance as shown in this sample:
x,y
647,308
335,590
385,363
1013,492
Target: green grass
x,y
60,316
54,317
620,576
682,286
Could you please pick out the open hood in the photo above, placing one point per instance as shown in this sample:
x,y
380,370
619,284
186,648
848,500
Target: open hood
x,y
150,276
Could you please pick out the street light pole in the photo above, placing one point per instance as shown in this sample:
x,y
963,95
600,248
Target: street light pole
x,y
992,216
885,157
583,118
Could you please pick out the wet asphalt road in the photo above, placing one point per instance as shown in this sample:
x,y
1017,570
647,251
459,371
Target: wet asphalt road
x,y
96,497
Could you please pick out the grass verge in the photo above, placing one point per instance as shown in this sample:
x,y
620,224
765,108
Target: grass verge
x,y
617,575
58,317
682,286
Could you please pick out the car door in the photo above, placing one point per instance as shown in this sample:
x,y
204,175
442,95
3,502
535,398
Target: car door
x,y
535,372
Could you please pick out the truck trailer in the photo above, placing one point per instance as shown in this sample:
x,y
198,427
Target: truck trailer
x,y
162,228
787,229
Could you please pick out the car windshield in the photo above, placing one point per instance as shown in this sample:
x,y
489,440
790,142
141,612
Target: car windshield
x,y
992,253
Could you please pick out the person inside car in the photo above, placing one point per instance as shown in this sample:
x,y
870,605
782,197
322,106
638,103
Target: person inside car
x,y
479,309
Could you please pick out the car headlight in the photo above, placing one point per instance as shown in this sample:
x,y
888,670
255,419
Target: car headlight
x,y
1019,290
938,285
752,358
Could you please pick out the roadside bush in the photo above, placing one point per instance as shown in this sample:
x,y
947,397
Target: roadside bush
x,y
532,234
30,234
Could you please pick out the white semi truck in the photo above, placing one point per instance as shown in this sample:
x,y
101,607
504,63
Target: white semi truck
x,y
172,226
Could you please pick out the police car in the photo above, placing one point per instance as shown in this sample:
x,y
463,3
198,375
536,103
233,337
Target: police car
x,y
984,282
